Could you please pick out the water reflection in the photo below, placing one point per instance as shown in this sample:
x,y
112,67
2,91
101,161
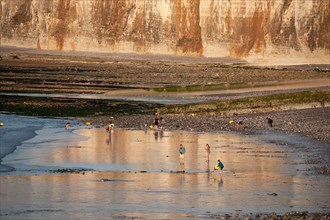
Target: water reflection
x,y
150,150
143,175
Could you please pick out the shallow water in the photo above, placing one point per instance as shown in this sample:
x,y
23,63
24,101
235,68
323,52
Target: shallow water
x,y
136,175
18,129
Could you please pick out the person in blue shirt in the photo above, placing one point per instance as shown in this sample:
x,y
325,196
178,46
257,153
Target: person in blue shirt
x,y
270,122
182,151
219,165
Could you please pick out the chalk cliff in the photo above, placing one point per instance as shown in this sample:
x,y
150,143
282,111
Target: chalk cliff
x,y
249,29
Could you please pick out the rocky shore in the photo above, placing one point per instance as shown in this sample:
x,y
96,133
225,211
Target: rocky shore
x,y
63,74
312,122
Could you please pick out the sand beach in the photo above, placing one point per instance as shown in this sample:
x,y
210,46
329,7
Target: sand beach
x,y
133,172
86,173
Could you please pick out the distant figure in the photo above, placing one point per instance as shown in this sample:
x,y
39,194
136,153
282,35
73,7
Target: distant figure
x,y
110,126
219,165
156,122
208,151
240,125
182,151
67,125
270,122
161,121
146,124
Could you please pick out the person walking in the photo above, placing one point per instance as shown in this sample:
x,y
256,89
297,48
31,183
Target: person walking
x,y
208,151
182,151
270,122
156,123
110,126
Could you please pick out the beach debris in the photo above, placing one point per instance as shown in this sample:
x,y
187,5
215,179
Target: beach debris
x,y
74,146
107,180
272,194
115,180
70,170
293,215
15,57
325,170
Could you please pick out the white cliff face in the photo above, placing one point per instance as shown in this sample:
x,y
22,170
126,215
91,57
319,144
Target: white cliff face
x,y
250,29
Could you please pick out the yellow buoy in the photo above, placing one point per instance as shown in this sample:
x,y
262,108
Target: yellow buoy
x,y
1,124
231,121
216,167
88,123
151,127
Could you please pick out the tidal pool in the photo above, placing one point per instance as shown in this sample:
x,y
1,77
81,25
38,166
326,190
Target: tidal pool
x,y
136,174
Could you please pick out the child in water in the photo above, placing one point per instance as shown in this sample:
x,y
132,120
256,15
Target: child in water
x,y
219,165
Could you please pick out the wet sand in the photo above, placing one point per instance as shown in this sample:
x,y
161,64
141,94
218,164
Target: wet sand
x,y
309,121
281,169
136,174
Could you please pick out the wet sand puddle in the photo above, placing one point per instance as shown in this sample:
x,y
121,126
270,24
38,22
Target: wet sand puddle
x,y
136,174
189,97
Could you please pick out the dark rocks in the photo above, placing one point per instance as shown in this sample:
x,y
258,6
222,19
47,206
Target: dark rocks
x,y
313,122
70,170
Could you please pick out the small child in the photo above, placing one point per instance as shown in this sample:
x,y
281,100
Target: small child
x,y
219,165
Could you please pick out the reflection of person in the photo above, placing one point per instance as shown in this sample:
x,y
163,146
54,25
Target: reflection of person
x,y
208,151
218,181
156,134
182,151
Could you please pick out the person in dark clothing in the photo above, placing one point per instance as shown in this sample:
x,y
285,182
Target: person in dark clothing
x,y
270,122
156,122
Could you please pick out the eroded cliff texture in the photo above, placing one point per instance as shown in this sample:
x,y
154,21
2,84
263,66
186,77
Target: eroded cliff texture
x,y
211,28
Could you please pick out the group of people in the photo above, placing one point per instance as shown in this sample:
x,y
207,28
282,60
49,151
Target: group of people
x,y
219,164
157,123
182,150
241,126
